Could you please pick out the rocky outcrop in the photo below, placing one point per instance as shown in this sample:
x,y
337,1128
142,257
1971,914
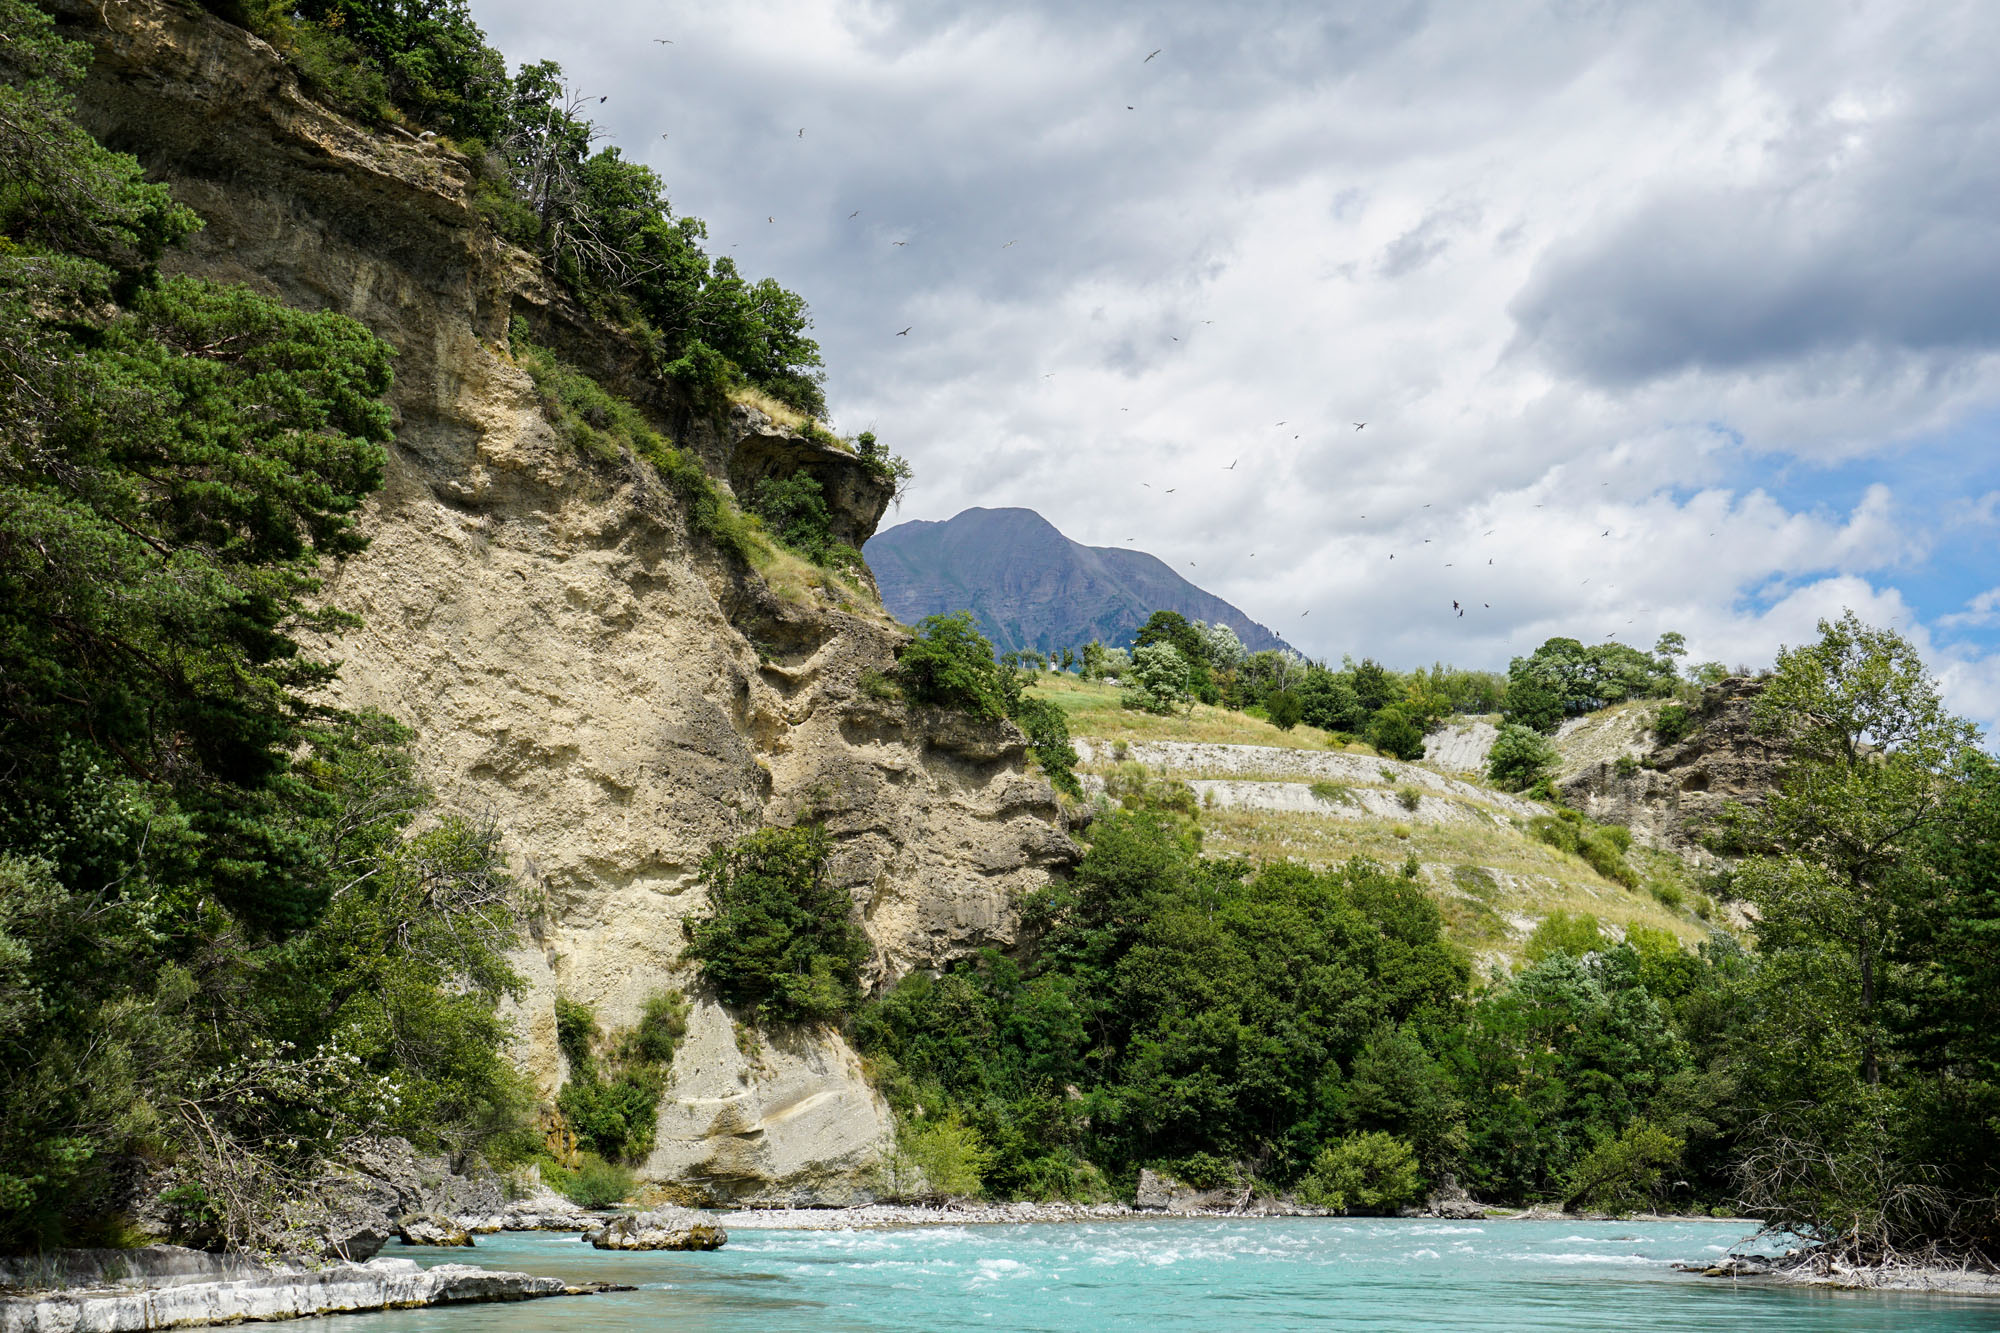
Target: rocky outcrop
x,y
614,694
661,1229
168,1287
432,1229
1673,798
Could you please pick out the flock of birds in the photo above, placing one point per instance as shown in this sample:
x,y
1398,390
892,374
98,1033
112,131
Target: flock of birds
x,y
1458,608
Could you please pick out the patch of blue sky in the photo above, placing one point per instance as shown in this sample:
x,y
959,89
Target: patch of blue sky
x,y
1945,491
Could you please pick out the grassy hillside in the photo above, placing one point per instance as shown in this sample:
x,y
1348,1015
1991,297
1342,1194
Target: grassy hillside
x,y
1297,795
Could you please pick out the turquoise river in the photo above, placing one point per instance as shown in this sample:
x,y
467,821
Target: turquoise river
x,y
1174,1274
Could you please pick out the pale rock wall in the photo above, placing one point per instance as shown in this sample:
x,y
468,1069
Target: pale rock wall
x,y
613,695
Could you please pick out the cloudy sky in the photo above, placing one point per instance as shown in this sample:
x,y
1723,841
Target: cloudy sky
x,y
1660,317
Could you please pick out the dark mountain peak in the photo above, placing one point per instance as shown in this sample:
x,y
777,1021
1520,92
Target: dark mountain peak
x,y
1031,587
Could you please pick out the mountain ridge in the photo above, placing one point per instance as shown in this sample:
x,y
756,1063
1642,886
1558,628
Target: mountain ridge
x,y
1031,587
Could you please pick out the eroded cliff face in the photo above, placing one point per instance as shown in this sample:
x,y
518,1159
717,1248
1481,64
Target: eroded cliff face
x,y
1676,797
614,695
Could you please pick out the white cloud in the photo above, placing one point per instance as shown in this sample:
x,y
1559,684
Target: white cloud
x,y
1578,268
1981,611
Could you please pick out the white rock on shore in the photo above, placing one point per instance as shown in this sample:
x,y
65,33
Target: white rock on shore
x,y
167,1287
661,1229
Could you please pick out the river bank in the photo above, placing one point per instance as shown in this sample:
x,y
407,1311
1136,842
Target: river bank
x,y
166,1286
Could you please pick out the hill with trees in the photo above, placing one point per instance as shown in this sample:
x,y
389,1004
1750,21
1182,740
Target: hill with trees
x,y
1030,588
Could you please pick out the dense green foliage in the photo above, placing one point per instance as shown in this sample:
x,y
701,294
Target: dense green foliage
x,y
611,1098
1315,1027
1160,679
603,223
1562,679
1198,1007
1872,869
1520,758
950,664
230,938
783,941
794,511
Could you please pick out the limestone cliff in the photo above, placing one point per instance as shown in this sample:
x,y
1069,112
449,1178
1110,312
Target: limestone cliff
x,y
1675,796
613,694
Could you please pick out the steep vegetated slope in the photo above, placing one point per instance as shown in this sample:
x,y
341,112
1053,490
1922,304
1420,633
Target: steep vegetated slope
x,y
594,659
1029,587
1301,795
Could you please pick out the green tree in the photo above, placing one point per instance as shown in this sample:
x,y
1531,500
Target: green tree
x,y
1394,732
1158,681
950,664
1520,758
783,940
1871,752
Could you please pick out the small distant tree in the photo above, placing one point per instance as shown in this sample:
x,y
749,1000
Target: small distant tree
x,y
950,664
1158,681
1330,703
1224,650
1374,685
1285,709
1092,659
1394,732
1520,758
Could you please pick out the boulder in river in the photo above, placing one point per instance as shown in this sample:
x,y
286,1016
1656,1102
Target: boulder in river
x,y
661,1229
431,1229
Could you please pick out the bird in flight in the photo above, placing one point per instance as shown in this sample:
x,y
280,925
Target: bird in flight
x,y
802,131
1606,532
1304,614
1454,605
855,214
1277,423
1359,424
770,219
1172,489
1148,58
602,100
1130,107
1010,243
663,41
905,332
1232,465
899,242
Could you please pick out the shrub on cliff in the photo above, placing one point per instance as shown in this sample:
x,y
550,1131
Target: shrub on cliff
x,y
611,1098
950,665
794,511
1520,758
783,940
1672,724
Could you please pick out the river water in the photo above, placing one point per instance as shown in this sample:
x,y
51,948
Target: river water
x,y
1211,1275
